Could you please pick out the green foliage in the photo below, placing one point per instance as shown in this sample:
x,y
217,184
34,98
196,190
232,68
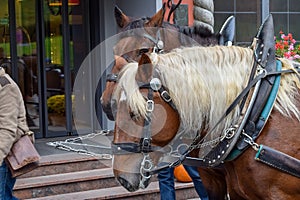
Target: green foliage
x,y
56,104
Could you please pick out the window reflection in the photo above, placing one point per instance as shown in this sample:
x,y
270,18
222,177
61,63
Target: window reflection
x,y
278,5
248,13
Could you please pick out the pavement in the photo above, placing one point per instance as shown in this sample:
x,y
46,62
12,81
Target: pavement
x,y
44,149
96,144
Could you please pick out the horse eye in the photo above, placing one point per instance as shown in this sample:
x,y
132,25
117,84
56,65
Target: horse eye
x,y
133,116
142,51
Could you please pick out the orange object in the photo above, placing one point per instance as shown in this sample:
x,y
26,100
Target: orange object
x,y
181,174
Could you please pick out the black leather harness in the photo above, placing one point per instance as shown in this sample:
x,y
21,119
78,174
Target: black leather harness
x,y
265,58
237,138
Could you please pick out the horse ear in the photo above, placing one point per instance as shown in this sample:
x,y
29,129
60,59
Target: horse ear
x,y
144,72
157,19
121,19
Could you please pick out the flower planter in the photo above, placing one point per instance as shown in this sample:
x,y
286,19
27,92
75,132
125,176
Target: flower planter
x,y
57,120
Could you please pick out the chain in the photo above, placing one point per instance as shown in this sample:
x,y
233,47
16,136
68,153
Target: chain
x,y
65,145
146,166
250,141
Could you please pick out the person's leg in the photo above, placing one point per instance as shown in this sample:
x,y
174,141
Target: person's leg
x,y
6,183
166,184
194,174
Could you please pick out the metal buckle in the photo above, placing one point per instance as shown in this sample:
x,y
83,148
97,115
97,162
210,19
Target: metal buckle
x,y
155,84
229,133
146,143
150,105
112,77
166,97
250,141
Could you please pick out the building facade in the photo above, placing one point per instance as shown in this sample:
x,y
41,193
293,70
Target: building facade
x,y
46,46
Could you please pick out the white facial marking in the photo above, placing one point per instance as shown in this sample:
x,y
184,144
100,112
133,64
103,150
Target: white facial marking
x,y
123,96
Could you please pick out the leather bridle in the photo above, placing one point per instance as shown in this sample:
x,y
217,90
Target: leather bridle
x,y
158,48
144,146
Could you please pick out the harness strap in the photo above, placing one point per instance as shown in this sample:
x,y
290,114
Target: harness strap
x,y
112,77
261,121
247,89
278,160
163,93
175,160
256,122
146,139
126,148
159,44
196,143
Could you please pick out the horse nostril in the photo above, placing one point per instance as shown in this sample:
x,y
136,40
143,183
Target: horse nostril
x,y
126,184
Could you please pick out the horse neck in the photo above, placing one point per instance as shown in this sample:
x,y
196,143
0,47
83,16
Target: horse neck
x,y
204,91
173,37
201,36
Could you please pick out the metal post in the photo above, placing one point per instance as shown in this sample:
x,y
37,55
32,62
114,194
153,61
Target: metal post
x,y
265,11
13,40
66,55
40,43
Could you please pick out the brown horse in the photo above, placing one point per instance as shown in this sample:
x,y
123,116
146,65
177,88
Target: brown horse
x,y
192,88
143,34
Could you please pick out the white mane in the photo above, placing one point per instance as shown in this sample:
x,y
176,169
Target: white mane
x,y
203,82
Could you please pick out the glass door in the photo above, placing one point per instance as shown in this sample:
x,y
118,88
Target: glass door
x,y
47,53
65,48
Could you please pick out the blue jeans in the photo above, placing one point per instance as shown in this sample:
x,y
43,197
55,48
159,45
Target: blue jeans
x,y
166,183
7,183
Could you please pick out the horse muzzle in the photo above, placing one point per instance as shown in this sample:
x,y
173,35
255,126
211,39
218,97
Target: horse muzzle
x,y
133,181
108,110
131,170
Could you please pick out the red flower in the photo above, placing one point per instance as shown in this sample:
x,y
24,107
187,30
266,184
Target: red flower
x,y
285,47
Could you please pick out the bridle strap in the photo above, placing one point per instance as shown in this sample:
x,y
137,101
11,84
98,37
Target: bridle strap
x,y
144,146
159,45
173,161
164,94
146,139
130,147
111,77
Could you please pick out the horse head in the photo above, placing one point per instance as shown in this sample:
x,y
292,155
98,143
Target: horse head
x,y
151,33
146,36
137,144
199,82
166,97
